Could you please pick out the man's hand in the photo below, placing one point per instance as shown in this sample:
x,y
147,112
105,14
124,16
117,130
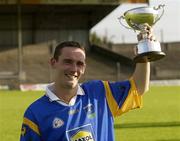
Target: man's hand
x,y
146,32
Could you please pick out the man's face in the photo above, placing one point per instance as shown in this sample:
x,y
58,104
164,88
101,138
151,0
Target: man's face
x,y
69,67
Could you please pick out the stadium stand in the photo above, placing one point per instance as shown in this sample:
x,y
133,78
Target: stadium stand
x,y
102,64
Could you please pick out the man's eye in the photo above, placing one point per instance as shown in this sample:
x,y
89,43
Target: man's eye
x,y
80,64
67,61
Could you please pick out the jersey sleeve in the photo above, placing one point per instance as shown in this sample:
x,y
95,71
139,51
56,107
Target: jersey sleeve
x,y
122,96
29,130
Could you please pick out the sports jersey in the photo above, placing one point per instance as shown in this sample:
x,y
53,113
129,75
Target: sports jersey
x,y
90,118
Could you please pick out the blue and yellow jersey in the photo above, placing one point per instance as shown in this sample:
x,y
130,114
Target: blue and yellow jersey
x,y
89,119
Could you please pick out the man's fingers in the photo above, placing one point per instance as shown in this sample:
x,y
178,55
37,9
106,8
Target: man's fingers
x,y
152,38
146,32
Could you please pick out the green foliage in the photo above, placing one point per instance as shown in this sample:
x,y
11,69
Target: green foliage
x,y
158,120
97,40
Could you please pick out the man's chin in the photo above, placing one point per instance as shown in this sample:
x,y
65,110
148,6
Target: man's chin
x,y
71,85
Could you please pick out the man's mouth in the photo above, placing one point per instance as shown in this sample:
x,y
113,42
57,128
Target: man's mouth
x,y
71,76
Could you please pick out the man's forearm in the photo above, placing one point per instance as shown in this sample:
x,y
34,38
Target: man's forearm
x,y
141,77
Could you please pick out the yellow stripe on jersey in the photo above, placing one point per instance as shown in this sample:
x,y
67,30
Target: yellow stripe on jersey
x,y
31,125
114,108
133,100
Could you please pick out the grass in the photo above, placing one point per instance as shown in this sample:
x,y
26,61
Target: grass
x,y
158,120
12,107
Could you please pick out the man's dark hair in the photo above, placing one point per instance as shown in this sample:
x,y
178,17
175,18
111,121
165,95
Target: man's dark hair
x,y
60,46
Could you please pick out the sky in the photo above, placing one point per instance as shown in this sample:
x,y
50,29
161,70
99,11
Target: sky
x,y
167,29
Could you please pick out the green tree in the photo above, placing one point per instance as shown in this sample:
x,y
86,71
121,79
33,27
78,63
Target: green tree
x,y
95,39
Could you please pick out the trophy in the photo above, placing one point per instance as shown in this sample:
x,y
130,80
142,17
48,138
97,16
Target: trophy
x,y
137,18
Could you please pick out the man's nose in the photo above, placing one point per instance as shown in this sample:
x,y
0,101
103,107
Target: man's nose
x,y
74,67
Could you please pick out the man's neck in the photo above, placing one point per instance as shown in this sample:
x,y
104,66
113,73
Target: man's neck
x,y
64,94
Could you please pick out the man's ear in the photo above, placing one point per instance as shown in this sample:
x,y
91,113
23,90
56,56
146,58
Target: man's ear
x,y
52,62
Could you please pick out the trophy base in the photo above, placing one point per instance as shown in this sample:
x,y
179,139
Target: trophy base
x,y
149,56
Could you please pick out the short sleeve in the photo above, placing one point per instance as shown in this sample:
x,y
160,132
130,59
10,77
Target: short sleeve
x,y
122,96
29,130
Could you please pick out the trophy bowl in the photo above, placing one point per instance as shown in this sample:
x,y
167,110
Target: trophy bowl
x,y
136,19
140,15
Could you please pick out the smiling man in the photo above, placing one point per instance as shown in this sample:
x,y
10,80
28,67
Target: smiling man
x,y
72,112
69,65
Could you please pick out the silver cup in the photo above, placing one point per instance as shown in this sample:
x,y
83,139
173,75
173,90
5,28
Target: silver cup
x,y
137,18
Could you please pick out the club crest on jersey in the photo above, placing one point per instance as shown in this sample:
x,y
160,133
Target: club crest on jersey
x,y
57,122
89,108
83,133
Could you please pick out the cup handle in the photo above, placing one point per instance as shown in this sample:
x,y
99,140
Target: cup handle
x,y
159,17
120,20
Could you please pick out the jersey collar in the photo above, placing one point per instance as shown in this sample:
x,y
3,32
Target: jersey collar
x,y
52,97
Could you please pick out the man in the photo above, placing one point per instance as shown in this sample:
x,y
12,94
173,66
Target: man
x,y
72,112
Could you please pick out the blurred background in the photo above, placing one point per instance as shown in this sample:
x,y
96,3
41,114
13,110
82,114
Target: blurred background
x,y
29,30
